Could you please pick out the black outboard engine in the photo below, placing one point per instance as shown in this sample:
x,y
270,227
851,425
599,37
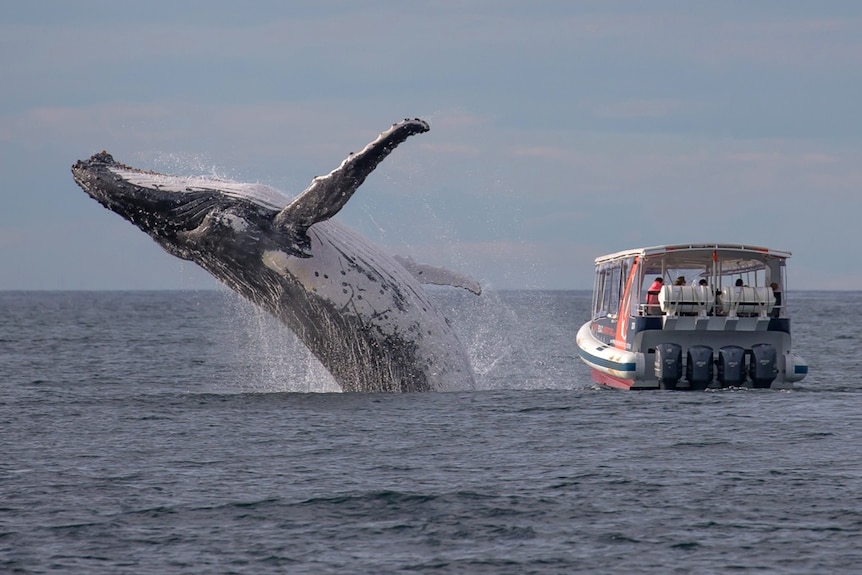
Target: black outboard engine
x,y
763,366
698,366
731,366
668,364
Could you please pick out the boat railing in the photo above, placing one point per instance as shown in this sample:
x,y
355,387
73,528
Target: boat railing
x,y
736,301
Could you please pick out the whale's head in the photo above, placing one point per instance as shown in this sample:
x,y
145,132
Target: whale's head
x,y
185,215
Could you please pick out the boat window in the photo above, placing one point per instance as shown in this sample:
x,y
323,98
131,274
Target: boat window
x,y
610,282
598,294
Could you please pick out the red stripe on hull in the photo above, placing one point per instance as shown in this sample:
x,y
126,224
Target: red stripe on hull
x,y
611,381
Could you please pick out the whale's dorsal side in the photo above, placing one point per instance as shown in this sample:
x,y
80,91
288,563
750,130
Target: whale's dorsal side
x,y
327,194
433,275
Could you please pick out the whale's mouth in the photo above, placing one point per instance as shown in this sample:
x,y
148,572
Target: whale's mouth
x,y
161,213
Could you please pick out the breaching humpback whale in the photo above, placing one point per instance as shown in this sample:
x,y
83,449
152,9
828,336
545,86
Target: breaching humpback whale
x,y
361,312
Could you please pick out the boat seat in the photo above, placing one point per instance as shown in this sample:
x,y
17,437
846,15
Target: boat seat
x,y
746,301
686,300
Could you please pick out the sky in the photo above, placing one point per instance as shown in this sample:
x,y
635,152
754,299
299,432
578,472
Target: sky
x,y
560,131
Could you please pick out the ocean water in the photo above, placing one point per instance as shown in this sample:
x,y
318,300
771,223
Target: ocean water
x,y
185,432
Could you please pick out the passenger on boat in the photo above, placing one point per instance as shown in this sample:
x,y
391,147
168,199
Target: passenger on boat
x,y
652,297
702,282
776,309
739,282
680,281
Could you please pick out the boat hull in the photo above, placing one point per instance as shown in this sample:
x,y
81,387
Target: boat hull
x,y
636,370
610,366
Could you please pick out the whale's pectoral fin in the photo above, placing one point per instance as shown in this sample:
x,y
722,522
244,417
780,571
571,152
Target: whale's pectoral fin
x,y
438,276
327,194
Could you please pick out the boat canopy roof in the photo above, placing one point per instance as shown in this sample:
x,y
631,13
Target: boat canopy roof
x,y
739,257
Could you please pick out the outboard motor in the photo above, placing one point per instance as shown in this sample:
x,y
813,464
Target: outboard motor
x,y
698,366
731,366
763,366
668,364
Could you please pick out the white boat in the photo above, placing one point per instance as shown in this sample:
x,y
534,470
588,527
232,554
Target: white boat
x,y
718,317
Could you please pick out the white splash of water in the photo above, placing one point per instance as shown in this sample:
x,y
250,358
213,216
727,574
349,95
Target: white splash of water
x,y
274,359
186,164
486,330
